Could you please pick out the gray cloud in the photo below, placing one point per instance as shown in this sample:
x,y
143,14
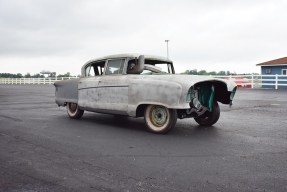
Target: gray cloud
x,y
211,35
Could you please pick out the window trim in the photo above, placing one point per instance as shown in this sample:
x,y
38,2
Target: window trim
x,y
283,72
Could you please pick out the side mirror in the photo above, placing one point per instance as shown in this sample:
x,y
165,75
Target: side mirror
x,y
141,63
137,67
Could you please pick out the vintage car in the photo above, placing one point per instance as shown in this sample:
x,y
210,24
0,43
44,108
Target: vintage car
x,y
144,86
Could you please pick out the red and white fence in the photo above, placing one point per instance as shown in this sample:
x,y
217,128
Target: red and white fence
x,y
258,81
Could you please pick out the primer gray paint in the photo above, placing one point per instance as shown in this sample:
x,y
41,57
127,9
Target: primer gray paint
x,y
123,93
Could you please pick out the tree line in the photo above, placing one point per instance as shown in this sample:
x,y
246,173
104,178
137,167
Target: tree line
x,y
220,73
204,72
28,75
38,75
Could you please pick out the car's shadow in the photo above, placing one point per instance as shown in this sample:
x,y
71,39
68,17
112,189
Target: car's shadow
x,y
183,127
118,121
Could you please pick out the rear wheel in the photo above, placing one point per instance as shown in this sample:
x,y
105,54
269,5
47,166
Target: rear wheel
x,y
160,119
74,111
209,118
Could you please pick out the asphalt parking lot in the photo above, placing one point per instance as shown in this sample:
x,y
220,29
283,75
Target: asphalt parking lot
x,y
41,149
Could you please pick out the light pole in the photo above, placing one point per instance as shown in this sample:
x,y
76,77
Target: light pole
x,y
167,55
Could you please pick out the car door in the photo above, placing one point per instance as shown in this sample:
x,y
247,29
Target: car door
x,y
113,88
88,95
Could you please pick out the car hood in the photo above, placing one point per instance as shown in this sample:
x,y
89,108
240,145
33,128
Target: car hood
x,y
186,81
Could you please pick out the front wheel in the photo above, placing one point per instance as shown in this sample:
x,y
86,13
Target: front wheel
x,y
73,110
160,119
209,118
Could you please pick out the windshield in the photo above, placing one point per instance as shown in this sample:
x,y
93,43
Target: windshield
x,y
150,69
158,67
153,66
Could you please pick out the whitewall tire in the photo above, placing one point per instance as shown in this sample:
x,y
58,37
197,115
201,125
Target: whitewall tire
x,y
160,119
74,111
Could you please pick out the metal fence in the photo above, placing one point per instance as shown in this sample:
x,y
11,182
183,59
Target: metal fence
x,y
244,81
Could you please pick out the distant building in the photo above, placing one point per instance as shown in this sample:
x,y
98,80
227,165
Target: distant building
x,y
274,67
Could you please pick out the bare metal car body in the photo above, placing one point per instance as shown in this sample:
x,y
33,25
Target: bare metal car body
x,y
127,84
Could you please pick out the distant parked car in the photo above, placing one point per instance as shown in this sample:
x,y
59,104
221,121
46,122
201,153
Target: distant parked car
x,y
144,86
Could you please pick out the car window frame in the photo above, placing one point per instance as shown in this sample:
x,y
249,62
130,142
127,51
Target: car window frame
x,y
90,66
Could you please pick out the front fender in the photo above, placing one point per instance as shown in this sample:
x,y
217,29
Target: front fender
x,y
158,92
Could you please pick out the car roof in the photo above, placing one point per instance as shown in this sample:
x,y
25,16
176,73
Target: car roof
x,y
130,55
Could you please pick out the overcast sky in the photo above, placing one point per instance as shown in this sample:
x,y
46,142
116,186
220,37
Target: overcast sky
x,y
214,35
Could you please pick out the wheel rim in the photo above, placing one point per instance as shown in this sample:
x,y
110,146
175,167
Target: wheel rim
x,y
158,116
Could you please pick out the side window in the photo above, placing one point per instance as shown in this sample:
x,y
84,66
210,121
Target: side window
x,y
115,67
88,69
99,69
90,72
95,69
284,71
